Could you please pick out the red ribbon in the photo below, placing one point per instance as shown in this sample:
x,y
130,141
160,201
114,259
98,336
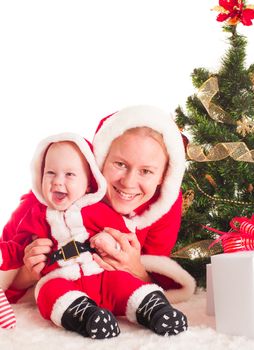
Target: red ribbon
x,y
239,238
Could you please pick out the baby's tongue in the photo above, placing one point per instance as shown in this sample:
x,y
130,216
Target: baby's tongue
x,y
60,195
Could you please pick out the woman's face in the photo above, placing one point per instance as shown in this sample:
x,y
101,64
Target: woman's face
x,y
133,169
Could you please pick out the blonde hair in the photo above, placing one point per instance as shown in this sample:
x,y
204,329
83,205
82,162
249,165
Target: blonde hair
x,y
146,131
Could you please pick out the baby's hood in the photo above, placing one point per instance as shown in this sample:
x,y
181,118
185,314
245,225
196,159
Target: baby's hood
x,y
98,182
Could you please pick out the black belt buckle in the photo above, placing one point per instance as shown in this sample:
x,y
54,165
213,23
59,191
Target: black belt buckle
x,y
70,250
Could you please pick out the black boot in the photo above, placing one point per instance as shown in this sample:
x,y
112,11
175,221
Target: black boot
x,y
86,318
157,314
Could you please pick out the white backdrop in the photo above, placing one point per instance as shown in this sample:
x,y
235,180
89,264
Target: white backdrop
x,y
66,64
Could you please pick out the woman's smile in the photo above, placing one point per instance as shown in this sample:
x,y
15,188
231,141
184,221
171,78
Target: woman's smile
x,y
124,195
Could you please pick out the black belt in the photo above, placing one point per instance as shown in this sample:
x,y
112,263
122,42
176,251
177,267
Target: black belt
x,y
69,251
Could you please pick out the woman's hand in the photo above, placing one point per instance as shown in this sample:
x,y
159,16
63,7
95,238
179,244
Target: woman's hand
x,y
34,261
36,255
127,258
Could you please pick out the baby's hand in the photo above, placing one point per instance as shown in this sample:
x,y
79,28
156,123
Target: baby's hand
x,y
100,240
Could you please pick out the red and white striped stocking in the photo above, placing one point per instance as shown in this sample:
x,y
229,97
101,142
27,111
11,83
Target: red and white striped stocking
x,y
7,317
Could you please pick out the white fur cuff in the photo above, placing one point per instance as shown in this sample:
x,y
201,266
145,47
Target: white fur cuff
x,y
137,297
62,304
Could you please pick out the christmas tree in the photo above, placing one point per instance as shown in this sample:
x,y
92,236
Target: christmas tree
x,y
219,181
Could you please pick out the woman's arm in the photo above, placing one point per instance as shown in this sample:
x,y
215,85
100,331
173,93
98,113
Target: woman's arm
x,y
162,235
24,279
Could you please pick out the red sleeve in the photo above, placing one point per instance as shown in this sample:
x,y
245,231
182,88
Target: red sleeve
x,y
12,253
33,223
161,239
162,235
26,202
10,231
13,295
99,215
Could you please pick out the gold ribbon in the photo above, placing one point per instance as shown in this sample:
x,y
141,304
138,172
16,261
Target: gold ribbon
x,y
206,93
198,250
236,150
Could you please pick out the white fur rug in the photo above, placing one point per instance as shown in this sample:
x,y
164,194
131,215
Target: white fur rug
x,y
32,333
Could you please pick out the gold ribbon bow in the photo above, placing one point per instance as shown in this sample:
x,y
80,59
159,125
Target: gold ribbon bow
x,y
206,93
236,150
239,151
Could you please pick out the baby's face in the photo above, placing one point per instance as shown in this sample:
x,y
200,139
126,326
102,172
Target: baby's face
x,y
65,177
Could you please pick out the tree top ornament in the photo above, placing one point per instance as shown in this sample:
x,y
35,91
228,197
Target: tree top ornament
x,y
234,12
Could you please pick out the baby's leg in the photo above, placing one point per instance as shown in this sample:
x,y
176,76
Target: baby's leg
x,y
86,318
63,302
141,302
156,313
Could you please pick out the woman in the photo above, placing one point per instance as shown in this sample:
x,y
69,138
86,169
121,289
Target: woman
x,y
144,186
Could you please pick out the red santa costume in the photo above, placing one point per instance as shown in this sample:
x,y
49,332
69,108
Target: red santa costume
x,y
73,280
157,222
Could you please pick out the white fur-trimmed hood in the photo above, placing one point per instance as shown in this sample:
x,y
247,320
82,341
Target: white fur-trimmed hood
x,y
155,118
36,165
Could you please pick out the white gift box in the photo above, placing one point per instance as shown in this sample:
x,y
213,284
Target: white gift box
x,y
209,291
233,289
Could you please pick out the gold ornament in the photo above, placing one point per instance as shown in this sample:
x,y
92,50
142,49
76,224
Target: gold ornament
x,y
245,126
198,250
206,93
188,198
250,188
210,179
236,150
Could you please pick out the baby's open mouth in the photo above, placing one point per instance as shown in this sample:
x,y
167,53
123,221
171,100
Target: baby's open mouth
x,y
59,195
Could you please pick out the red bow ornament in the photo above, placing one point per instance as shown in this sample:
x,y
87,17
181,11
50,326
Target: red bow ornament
x,y
239,238
235,11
